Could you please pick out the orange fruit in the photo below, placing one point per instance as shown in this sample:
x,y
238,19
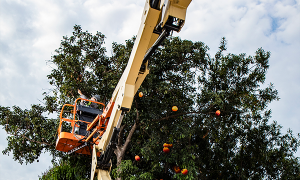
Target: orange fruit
x,y
168,145
176,169
174,108
141,94
166,150
218,112
137,158
184,171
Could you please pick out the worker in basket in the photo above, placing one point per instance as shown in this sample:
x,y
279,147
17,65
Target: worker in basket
x,y
73,140
90,104
87,112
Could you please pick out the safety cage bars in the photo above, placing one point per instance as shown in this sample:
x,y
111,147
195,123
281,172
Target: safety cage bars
x,y
88,124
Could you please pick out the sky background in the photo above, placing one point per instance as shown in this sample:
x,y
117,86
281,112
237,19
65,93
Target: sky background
x,y
30,31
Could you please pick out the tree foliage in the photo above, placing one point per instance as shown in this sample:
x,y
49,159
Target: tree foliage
x,y
29,132
241,143
81,63
69,168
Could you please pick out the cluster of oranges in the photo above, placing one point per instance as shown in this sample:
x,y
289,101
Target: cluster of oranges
x,y
167,150
178,170
167,147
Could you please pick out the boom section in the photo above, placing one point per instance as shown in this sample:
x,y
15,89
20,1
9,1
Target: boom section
x,y
170,13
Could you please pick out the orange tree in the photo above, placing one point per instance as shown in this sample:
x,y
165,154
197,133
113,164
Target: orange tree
x,y
240,143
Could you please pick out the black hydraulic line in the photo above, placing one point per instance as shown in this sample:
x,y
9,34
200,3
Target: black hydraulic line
x,y
159,40
165,33
154,4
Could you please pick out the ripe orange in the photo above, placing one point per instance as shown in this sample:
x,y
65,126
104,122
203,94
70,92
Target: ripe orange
x,y
184,171
218,112
168,145
177,169
174,108
166,150
141,94
137,158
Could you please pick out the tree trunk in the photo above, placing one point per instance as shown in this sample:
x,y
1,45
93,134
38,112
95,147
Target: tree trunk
x,y
120,150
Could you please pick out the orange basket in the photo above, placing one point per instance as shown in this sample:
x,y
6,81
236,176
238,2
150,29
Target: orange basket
x,y
67,141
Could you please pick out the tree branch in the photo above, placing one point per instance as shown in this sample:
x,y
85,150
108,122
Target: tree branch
x,y
133,128
120,151
120,136
176,115
16,134
36,141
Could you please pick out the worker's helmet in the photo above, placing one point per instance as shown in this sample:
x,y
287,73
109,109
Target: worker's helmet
x,y
97,97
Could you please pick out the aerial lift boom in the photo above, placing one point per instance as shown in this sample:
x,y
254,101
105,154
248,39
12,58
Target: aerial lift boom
x,y
99,129
159,18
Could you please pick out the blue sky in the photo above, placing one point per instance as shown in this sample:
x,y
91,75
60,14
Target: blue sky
x,y
30,31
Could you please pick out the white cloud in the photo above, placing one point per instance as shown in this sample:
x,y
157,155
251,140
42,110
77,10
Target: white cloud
x,y
117,20
31,30
13,170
